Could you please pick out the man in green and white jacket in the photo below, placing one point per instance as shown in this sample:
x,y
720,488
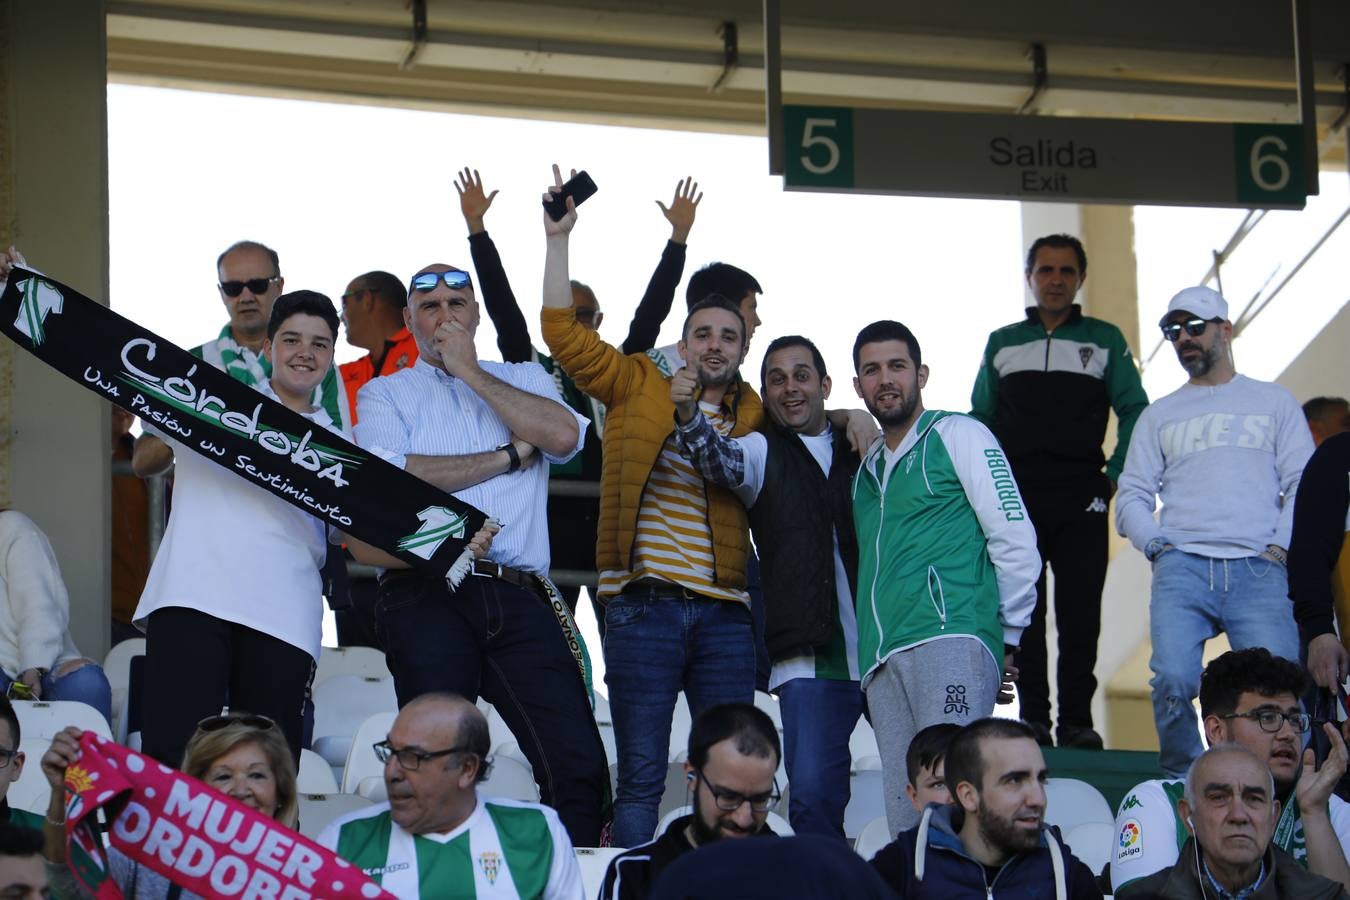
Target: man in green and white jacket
x,y
437,837
947,561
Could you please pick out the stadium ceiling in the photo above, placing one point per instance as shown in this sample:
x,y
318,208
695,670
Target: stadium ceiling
x,y
698,64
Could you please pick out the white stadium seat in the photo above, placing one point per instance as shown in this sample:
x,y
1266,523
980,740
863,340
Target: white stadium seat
x,y
31,792
373,788
511,780
1071,802
117,666
1092,842
315,775
366,662
341,704
875,835
867,800
361,761
593,862
317,810
42,719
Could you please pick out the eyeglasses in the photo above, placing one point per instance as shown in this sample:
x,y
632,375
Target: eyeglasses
x,y
7,757
352,295
1272,720
409,759
730,801
1194,327
248,720
429,281
254,285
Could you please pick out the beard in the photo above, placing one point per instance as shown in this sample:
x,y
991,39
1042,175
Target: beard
x,y
1198,366
898,414
718,379
702,832
1004,833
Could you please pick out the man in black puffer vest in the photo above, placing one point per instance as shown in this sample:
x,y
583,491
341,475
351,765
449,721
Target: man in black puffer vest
x,y
794,478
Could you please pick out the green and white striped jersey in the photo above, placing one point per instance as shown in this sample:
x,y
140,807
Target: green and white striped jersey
x,y
504,849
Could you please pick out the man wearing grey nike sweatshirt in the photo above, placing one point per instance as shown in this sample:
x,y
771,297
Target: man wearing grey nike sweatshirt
x,y
1224,453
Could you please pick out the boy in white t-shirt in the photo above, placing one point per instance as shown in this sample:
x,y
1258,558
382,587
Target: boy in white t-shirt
x,y
233,607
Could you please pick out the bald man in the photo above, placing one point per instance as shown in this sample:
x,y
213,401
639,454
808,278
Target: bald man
x,y
436,837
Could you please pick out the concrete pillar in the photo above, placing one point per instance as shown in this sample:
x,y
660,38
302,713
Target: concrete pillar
x,y
55,441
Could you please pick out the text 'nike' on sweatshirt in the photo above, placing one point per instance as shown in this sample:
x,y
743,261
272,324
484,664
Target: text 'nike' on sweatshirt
x,y
1225,460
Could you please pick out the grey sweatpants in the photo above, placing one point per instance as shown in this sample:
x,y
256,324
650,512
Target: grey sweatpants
x,y
946,680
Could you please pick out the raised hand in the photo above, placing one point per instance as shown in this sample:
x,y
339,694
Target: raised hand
x,y
1315,785
683,207
685,388
64,751
569,219
472,201
8,260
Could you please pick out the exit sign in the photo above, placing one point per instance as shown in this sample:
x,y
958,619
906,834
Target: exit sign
x,y
1074,160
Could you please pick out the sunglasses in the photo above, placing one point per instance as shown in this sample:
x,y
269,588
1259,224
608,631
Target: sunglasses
x,y
248,720
429,281
1194,327
255,286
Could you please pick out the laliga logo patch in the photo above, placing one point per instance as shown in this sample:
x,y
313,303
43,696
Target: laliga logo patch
x,y
1131,841
490,862
438,523
40,299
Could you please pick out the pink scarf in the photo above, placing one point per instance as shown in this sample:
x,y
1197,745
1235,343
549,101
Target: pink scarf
x,y
210,844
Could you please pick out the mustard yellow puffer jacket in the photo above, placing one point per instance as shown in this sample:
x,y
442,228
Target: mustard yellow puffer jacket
x,y
639,417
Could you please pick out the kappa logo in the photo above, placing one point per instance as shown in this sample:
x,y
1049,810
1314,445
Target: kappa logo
x,y
40,300
1131,802
491,864
1097,505
1085,355
1131,841
438,523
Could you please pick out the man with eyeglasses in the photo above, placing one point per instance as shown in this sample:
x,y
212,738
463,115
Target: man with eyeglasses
x,y
478,429
1251,698
11,767
1224,453
1046,388
733,755
437,837
249,282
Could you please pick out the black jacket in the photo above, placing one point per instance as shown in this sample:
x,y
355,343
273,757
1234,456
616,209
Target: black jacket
x,y
795,520
631,874
1285,880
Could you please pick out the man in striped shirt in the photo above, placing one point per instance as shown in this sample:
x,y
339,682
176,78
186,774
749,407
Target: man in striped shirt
x,y
671,548
437,836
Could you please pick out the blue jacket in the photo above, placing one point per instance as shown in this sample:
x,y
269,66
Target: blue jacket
x,y
929,861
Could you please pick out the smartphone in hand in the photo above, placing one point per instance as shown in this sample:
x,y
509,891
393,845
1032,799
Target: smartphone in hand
x,y
579,187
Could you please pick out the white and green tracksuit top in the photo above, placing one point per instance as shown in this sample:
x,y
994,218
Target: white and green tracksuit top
x,y
504,849
945,546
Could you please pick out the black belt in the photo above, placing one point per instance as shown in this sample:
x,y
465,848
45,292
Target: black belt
x,y
482,568
667,589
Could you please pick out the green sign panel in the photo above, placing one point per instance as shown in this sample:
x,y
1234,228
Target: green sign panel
x,y
1043,158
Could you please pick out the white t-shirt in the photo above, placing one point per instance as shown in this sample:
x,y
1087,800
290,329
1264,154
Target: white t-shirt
x,y
235,551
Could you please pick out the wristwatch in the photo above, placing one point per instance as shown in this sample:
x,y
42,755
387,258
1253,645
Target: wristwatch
x,y
1154,548
513,454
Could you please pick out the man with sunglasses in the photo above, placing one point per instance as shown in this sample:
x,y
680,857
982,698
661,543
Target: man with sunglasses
x,y
1046,388
372,314
1251,698
478,429
249,281
733,755
437,837
1224,453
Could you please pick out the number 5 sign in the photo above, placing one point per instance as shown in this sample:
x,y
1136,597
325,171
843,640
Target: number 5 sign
x,y
1268,163
819,146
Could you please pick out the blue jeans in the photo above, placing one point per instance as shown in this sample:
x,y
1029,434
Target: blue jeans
x,y
1194,599
502,642
87,685
819,715
656,646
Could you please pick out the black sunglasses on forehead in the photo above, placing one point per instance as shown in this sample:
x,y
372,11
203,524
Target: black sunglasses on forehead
x,y
429,281
255,286
248,720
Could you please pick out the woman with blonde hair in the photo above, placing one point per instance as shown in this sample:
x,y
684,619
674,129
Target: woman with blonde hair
x,y
239,754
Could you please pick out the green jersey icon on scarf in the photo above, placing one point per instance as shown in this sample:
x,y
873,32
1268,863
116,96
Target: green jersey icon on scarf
x,y
438,523
40,299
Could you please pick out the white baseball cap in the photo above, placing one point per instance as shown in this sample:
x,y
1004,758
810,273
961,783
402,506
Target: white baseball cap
x,y
1202,302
